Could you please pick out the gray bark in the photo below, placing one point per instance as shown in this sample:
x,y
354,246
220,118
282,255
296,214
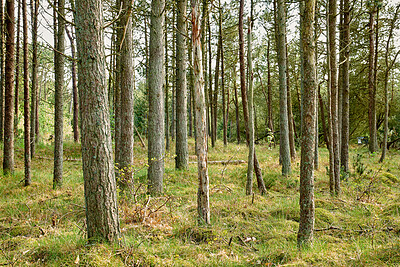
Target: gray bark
x,y
156,99
58,94
250,165
27,145
1,70
97,160
181,151
334,93
34,77
307,207
284,123
344,151
8,151
371,82
126,135
203,201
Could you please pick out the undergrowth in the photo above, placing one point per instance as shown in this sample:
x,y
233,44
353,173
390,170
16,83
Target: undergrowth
x,y
42,226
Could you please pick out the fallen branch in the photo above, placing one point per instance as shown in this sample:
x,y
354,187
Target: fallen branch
x,y
65,159
225,162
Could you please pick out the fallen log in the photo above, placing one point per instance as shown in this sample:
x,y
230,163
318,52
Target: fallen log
x,y
224,162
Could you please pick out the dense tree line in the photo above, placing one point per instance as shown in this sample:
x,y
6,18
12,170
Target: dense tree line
x,y
312,73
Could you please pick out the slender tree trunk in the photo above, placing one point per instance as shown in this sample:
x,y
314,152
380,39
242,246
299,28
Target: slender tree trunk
x,y
316,29
210,95
215,99
167,144
344,151
34,77
27,143
334,93
203,202
387,72
224,118
59,84
250,162
192,121
307,207
156,99
371,82
17,63
97,160
126,72
182,153
292,143
284,123
269,91
117,90
75,108
236,107
173,97
2,34
207,78
8,152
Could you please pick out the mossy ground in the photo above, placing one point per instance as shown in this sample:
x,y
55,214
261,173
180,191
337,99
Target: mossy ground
x,y
42,226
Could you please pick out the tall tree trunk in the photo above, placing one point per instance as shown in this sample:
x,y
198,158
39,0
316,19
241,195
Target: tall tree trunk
x,y
387,73
192,131
17,61
156,99
173,97
307,207
334,92
316,30
27,143
216,85
344,151
284,123
236,106
203,202
97,160
210,95
167,144
117,89
269,91
371,82
8,152
250,162
59,84
2,34
224,118
292,143
207,86
75,108
182,153
260,181
126,72
34,77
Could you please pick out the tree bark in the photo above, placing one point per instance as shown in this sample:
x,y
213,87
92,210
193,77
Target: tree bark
x,y
58,94
344,151
17,63
167,141
27,143
203,202
269,91
126,72
34,77
334,93
181,151
215,98
8,152
75,105
307,207
371,82
250,165
292,143
284,123
2,70
97,160
387,73
156,99
236,107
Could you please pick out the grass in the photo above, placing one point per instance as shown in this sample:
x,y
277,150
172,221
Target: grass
x,y
42,226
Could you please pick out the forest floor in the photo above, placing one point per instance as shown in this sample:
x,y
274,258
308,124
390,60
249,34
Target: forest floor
x,y
42,226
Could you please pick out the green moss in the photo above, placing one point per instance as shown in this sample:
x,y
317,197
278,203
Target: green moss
x,y
25,230
387,177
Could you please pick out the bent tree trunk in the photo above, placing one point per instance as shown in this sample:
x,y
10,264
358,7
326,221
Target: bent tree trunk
x,y
97,161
